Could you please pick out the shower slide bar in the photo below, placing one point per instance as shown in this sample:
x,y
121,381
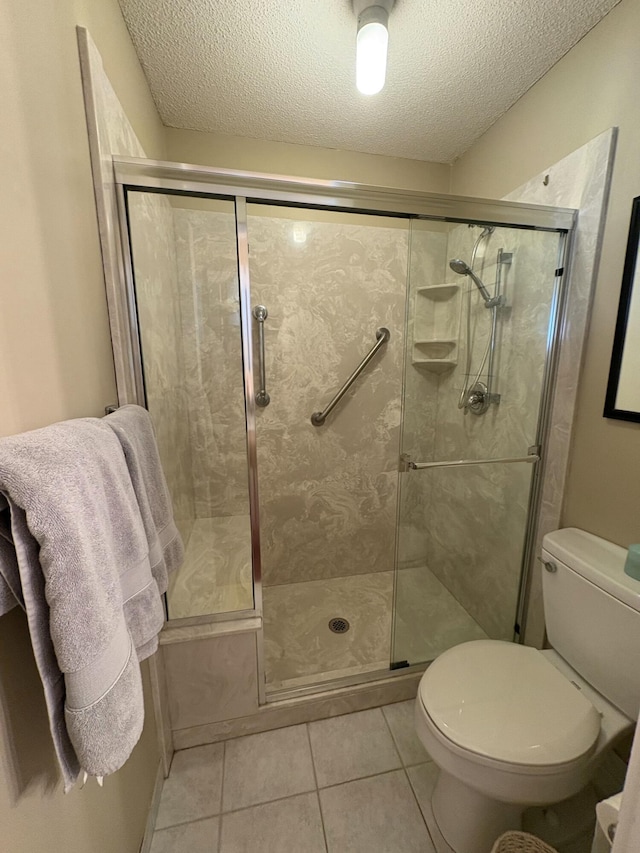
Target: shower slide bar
x,y
407,465
262,398
382,336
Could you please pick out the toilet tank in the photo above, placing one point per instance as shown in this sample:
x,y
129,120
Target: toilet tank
x,y
592,613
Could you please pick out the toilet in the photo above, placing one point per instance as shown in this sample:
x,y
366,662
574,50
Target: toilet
x,y
510,726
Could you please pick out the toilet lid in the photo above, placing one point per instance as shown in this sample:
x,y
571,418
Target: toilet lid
x,y
508,702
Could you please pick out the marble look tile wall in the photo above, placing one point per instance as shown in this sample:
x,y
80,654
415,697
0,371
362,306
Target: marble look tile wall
x,y
211,679
427,260
328,494
210,311
110,133
581,181
509,428
479,519
156,276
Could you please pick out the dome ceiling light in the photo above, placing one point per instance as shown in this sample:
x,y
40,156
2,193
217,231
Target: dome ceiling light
x,y
371,44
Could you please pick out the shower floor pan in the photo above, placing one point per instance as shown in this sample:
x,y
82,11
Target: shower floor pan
x,y
301,649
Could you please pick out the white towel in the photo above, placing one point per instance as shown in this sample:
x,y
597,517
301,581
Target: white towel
x,y
134,429
82,558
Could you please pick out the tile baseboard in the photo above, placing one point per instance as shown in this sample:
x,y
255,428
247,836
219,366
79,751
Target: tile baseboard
x,y
145,847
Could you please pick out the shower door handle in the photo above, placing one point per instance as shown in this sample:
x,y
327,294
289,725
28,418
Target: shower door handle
x,y
262,398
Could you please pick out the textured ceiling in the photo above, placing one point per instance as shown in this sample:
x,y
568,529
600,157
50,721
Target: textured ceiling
x,y
285,69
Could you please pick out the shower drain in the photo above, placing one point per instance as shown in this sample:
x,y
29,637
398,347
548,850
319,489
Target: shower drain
x,y
338,625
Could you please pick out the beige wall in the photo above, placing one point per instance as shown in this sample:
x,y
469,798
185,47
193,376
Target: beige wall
x,y
593,87
55,363
282,158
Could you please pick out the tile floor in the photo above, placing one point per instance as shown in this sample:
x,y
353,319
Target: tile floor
x,y
359,783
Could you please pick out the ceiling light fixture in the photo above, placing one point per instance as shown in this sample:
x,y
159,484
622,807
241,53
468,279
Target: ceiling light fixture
x,y
371,44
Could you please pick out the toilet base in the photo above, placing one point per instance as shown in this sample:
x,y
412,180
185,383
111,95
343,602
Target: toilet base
x,y
469,821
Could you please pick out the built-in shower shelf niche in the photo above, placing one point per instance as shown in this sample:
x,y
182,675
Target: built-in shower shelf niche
x,y
436,324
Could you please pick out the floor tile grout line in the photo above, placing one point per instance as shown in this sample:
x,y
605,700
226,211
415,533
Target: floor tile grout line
x,y
394,741
415,797
315,777
241,809
268,802
291,796
188,822
405,764
362,778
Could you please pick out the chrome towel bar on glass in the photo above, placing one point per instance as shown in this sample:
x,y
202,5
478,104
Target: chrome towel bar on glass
x,y
382,336
407,465
262,398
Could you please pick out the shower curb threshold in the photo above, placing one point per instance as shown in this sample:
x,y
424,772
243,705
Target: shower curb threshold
x,y
304,709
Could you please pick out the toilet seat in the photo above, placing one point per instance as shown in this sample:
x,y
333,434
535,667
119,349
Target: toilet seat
x,y
508,703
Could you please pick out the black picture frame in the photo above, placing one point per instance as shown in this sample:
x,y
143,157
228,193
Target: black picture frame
x,y
631,262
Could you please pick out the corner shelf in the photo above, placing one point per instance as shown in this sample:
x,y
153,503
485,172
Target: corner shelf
x,y
435,327
436,347
439,292
435,365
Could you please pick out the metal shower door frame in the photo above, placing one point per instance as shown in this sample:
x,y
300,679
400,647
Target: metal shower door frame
x,y
133,328
133,174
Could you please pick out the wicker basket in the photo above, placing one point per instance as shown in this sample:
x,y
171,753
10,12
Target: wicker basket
x,y
521,842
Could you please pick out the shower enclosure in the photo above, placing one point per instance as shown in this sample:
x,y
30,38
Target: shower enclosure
x,y
373,536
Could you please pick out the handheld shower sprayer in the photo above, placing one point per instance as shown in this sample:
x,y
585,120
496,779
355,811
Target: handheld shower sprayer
x,y
475,396
462,268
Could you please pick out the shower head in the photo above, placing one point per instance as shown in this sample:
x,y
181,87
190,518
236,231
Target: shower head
x,y
463,268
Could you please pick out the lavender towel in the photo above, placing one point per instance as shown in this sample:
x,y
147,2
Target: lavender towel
x,y
134,429
80,559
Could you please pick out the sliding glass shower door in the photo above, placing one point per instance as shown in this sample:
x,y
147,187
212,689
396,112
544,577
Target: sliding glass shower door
x,y
348,409
473,390
326,283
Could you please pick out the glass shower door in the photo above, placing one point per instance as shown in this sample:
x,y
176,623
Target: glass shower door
x,y
185,270
323,283
477,349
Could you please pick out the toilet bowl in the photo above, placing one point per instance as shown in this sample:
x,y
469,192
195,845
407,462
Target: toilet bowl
x,y
511,726
508,730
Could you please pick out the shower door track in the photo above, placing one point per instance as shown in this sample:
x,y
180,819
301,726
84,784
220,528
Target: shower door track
x,y
344,196
345,681
133,174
